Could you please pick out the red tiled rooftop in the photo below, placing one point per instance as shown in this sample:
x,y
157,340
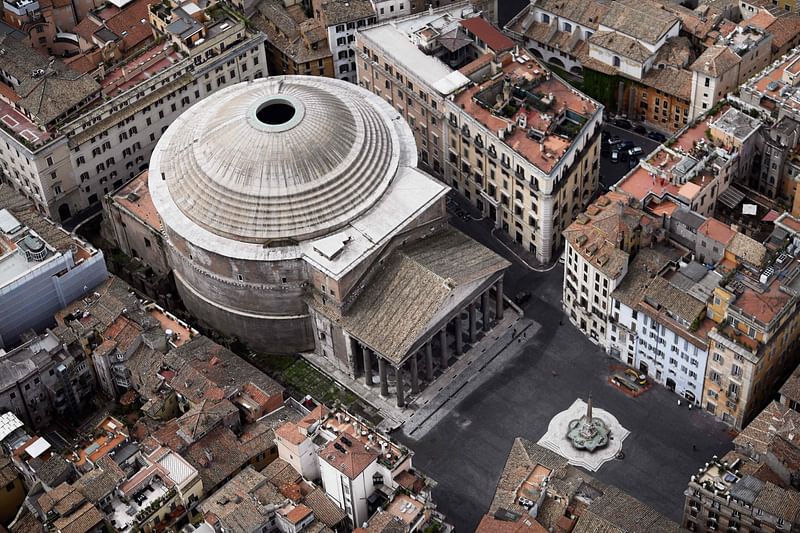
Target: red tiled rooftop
x,y
352,463
664,208
291,433
640,183
716,230
544,155
132,24
791,223
140,204
123,331
144,66
167,322
487,33
21,125
763,306
296,515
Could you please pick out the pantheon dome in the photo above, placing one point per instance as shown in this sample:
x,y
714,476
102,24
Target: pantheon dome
x,y
281,190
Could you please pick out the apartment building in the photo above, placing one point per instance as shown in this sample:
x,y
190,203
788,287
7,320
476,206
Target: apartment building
x,y
45,379
42,268
697,168
753,344
75,139
293,47
600,244
753,487
341,20
638,68
362,471
539,490
411,63
724,66
657,323
524,149
406,62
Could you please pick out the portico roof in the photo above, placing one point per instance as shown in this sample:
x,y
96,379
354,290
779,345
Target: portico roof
x,y
419,286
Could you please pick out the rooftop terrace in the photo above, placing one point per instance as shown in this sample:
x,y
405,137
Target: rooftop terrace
x,y
141,68
539,114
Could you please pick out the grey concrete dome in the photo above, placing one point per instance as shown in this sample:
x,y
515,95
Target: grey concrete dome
x,y
281,158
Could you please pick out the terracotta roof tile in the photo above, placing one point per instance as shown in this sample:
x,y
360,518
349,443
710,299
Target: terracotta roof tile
x,y
487,33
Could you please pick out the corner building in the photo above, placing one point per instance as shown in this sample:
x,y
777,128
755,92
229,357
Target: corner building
x,y
291,206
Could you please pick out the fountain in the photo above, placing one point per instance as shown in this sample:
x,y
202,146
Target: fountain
x,y
588,433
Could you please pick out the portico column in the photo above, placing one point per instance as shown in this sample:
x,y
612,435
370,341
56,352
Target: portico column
x,y
499,300
485,310
354,348
384,378
401,398
414,374
367,366
473,328
429,360
459,334
445,355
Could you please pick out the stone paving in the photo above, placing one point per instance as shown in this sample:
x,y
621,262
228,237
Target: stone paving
x,y
422,407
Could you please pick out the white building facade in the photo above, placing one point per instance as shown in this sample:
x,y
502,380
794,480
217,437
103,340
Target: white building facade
x,y
669,355
587,294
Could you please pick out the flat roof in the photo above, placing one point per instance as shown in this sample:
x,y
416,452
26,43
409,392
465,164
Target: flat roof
x,y
429,69
38,447
546,98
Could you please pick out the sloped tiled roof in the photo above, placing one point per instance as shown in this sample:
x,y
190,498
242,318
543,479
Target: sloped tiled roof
x,y
324,509
618,512
639,19
49,96
416,283
621,44
715,61
587,13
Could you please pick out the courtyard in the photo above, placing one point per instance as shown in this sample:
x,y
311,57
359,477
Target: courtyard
x,y
467,449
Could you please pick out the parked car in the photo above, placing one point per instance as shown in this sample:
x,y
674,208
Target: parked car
x,y
656,136
522,297
641,130
635,151
639,378
615,156
623,123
